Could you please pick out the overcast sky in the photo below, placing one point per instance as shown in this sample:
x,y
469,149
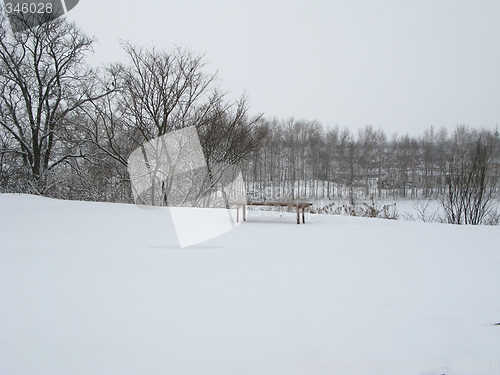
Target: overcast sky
x,y
398,65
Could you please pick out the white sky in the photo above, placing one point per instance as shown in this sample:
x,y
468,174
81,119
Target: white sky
x,y
398,65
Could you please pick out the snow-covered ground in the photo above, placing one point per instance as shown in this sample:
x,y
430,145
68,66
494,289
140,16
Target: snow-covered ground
x,y
97,288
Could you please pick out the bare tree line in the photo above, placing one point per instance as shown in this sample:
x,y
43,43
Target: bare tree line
x,y
66,131
303,160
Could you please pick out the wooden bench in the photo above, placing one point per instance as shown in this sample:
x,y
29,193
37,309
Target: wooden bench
x,y
298,205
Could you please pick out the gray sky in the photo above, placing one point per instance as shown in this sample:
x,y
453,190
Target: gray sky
x,y
398,65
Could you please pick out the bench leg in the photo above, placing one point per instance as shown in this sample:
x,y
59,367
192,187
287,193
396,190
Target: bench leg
x,y
298,215
238,214
303,217
244,212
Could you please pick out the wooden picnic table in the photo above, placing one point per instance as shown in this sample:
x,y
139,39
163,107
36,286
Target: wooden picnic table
x,y
298,205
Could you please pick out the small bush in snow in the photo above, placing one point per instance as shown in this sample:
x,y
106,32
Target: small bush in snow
x,y
371,209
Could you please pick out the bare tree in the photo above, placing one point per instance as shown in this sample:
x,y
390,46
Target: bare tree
x,y
331,145
158,92
162,91
348,154
381,151
472,177
43,79
427,146
367,140
228,135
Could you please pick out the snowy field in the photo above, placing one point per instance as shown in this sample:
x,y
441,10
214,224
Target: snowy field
x,y
98,288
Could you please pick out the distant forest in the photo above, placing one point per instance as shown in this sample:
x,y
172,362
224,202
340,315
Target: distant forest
x,y
67,130
303,159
